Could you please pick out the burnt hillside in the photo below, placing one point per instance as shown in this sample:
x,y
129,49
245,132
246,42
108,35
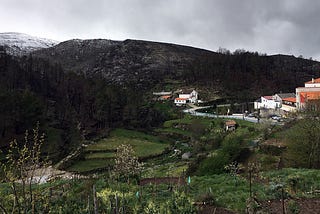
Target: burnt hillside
x,y
146,64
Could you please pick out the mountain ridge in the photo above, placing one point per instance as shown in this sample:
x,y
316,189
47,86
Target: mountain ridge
x,y
22,44
147,64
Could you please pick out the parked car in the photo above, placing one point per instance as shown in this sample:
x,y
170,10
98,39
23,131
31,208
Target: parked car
x,y
252,115
276,117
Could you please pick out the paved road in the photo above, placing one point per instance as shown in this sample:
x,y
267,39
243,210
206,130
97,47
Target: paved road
x,y
234,116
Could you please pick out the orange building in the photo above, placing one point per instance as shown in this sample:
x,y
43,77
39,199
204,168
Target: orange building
x,y
308,94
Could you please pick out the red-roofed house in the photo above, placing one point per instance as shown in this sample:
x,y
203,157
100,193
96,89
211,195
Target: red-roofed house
x,y
312,83
186,96
308,94
180,101
165,97
191,95
289,104
230,125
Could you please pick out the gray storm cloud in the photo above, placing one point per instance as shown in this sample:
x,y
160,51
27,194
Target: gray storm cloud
x,y
287,26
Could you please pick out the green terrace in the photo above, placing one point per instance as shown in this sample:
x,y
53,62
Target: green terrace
x,y
101,153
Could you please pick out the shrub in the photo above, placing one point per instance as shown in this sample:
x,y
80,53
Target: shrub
x,y
194,165
251,129
231,146
293,207
214,165
271,149
207,198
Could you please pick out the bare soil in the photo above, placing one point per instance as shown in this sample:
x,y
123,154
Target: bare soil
x,y
209,209
305,205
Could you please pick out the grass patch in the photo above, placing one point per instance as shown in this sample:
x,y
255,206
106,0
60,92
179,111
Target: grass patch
x,y
99,155
143,148
301,182
174,169
88,165
187,119
143,144
227,191
134,134
175,131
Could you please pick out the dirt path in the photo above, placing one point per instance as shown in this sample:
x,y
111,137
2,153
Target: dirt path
x,y
45,174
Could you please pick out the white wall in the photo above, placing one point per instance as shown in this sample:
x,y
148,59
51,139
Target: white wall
x,y
288,108
270,104
185,96
192,97
311,85
180,102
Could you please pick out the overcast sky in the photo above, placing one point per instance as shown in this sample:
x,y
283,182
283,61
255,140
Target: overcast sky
x,y
266,26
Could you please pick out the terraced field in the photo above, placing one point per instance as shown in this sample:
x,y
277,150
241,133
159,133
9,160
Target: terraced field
x,y
100,154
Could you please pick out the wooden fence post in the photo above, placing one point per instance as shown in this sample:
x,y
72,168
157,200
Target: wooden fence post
x,y
95,204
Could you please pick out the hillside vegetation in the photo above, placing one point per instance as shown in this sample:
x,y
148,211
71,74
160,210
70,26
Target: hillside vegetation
x,y
92,96
100,155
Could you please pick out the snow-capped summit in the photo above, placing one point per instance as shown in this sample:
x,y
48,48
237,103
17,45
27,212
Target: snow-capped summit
x,y
20,43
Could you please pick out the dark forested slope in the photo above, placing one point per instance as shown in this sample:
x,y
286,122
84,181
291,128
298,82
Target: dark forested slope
x,y
79,87
146,64
67,105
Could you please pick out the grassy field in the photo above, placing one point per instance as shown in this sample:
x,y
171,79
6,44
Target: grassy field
x,y
172,169
88,165
101,153
188,119
301,182
190,126
144,145
227,191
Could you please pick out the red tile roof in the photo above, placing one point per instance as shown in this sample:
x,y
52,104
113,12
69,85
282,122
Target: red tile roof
x,y
230,123
165,97
310,95
314,81
290,99
268,97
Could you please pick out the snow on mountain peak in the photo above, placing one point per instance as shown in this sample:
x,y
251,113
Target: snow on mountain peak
x,y
20,43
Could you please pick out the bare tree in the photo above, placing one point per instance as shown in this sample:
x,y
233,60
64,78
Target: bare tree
x,y
19,172
126,163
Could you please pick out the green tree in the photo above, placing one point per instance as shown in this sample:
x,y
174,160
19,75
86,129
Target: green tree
x,y
304,143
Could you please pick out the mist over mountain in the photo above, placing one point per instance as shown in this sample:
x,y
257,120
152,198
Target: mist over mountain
x,y
21,44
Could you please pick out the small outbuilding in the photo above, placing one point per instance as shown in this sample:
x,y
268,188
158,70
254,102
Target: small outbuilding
x,y
180,101
230,125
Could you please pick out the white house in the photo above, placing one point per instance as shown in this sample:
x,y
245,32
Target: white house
x,y
281,96
190,95
267,102
312,83
257,104
180,101
289,104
